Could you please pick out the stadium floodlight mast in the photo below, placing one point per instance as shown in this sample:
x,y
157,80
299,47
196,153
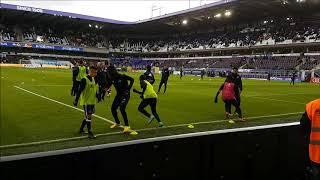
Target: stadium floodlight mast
x,y
185,22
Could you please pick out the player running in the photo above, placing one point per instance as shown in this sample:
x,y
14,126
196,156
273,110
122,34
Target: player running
x,y
229,93
120,82
149,98
164,79
88,93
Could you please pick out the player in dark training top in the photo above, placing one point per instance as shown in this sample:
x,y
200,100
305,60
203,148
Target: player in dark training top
x,y
203,72
120,82
293,78
149,75
101,79
75,83
164,79
238,82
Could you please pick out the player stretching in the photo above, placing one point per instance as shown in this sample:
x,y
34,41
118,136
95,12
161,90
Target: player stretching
x,y
164,79
120,82
88,93
149,98
229,93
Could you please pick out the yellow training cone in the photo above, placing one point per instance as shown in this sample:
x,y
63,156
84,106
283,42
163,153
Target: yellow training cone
x,y
134,133
190,126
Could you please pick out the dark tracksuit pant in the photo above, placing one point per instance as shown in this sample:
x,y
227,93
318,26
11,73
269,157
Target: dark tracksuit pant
x,y
122,102
163,81
153,104
235,103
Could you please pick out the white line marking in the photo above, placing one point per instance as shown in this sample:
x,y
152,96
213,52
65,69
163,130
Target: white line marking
x,y
285,94
102,118
139,130
54,85
279,100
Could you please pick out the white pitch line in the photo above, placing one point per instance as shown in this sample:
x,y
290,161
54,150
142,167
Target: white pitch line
x,y
279,100
52,100
287,94
49,85
139,130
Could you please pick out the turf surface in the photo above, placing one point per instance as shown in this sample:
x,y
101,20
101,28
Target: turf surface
x,y
28,118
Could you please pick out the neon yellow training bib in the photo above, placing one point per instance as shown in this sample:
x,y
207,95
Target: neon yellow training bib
x,y
149,92
88,95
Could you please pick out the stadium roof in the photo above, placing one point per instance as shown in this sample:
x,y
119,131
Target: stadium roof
x,y
202,17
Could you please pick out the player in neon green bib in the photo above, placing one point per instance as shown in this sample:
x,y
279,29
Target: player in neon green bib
x,y
82,71
149,98
88,95
79,72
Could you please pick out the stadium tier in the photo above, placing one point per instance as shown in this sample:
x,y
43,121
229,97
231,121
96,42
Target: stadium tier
x,y
260,33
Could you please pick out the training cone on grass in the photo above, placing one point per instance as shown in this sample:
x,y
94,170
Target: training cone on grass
x,y
231,121
190,126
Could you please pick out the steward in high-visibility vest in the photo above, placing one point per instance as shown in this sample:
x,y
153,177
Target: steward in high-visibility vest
x,y
313,112
149,98
310,121
88,95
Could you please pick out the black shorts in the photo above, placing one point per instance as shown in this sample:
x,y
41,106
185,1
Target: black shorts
x,y
88,109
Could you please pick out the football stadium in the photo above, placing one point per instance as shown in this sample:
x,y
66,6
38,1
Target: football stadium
x,y
223,90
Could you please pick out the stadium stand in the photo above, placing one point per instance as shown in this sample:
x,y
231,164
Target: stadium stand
x,y
271,32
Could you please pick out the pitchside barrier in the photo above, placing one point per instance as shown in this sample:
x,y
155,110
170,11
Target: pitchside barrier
x,y
256,153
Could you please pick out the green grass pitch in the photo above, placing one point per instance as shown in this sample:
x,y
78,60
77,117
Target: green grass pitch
x,y
32,123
